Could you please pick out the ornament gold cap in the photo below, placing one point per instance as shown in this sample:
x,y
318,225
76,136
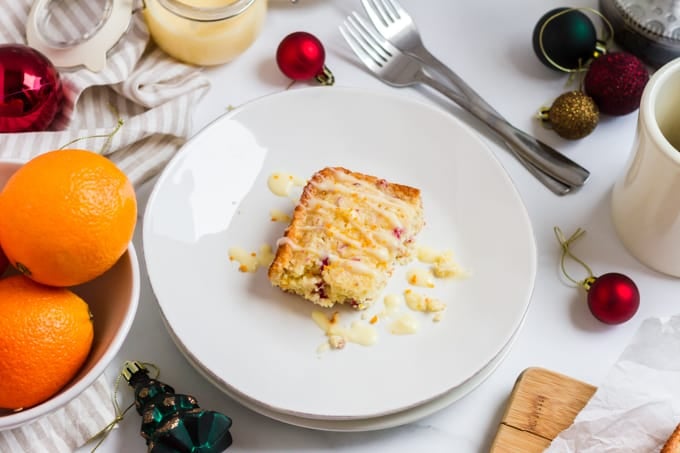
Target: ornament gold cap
x,y
130,367
600,48
325,77
588,282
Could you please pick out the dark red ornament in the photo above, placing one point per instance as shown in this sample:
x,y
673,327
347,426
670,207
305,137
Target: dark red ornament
x,y
301,56
613,298
30,89
615,81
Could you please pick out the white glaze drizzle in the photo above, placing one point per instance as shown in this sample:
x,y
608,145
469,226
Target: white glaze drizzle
x,y
375,231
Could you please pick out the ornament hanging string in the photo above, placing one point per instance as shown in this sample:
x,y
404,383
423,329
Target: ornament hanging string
x,y
118,413
108,137
566,252
600,46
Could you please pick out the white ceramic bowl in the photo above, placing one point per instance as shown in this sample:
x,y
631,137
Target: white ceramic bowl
x,y
113,299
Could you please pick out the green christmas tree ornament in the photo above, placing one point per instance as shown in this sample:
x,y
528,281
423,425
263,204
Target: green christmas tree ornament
x,y
171,422
565,39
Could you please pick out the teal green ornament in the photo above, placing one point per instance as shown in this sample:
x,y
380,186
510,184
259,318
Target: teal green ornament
x,y
174,423
565,39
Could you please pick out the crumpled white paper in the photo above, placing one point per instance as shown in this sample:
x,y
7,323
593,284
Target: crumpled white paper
x,y
637,406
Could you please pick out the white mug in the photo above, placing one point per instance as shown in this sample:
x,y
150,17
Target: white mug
x,y
646,199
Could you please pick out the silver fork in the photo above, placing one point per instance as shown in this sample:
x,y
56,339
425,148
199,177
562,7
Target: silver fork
x,y
392,66
397,26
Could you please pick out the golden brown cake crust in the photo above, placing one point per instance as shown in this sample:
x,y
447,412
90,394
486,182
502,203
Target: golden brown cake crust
x,y
279,271
672,445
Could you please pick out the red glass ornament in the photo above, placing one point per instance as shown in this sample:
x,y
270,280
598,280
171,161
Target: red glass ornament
x,y
301,56
615,81
613,298
30,89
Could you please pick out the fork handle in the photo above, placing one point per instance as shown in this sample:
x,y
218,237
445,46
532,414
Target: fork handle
x,y
522,144
557,187
425,56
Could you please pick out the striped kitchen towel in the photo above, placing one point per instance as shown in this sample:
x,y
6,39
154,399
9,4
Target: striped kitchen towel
x,y
67,428
152,93
154,96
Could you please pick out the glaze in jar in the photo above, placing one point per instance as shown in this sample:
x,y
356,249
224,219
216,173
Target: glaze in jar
x,y
204,32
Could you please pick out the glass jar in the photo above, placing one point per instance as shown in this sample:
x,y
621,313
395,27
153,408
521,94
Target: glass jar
x,y
204,32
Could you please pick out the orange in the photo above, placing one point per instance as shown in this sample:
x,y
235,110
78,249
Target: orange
x,y
4,263
66,217
46,336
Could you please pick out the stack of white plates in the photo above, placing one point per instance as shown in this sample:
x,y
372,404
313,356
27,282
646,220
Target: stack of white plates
x,y
260,345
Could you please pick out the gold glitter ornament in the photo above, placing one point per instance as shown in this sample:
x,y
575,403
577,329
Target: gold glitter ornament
x,y
573,115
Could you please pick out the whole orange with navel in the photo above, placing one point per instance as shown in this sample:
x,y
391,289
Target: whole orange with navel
x,y
46,337
66,217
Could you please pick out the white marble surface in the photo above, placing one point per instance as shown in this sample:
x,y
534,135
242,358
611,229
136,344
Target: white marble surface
x,y
489,44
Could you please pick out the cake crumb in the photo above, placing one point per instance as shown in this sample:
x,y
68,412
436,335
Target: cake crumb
x,y
420,302
336,341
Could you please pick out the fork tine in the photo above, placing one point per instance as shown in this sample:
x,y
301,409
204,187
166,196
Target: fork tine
x,y
376,14
364,40
377,43
396,8
359,46
354,43
388,10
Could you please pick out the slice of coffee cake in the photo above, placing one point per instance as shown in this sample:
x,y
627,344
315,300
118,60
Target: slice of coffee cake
x,y
348,232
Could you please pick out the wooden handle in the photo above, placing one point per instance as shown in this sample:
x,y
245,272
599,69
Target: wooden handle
x,y
543,403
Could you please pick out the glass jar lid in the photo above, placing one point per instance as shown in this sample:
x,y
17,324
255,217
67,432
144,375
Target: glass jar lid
x,y
650,29
77,33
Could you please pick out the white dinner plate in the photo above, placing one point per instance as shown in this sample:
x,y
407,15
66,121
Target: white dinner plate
x,y
363,424
262,343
